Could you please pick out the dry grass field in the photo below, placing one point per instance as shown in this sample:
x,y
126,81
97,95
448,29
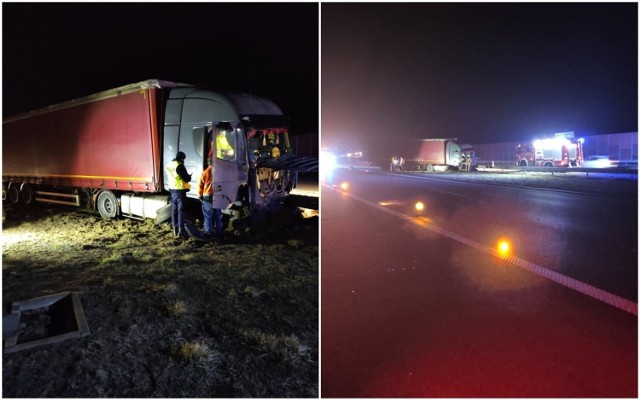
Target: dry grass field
x,y
168,317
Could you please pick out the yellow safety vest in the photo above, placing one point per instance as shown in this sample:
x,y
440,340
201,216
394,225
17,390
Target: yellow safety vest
x,y
222,145
175,182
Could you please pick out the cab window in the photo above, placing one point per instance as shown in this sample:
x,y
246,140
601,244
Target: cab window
x,y
225,143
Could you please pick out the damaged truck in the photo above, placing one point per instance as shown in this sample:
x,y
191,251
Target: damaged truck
x,y
107,151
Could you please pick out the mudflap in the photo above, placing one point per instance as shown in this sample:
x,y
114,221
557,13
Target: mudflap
x,y
195,233
163,214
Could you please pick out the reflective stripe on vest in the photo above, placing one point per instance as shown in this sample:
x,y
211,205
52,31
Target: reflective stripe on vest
x,y
175,182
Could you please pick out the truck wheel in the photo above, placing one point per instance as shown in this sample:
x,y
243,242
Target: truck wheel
x,y
548,164
14,194
107,205
26,192
523,163
429,167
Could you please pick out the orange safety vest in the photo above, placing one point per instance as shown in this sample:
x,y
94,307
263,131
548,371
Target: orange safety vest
x,y
204,186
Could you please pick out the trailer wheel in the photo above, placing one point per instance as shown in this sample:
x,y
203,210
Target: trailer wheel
x,y
14,194
27,194
107,205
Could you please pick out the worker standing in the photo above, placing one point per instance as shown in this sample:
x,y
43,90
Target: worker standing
x,y
178,187
217,218
205,194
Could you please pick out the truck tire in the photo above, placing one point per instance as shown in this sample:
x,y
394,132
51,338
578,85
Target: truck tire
x,y
429,168
107,205
548,164
14,194
523,163
27,194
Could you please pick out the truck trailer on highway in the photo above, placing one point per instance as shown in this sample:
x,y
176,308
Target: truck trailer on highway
x,y
107,151
426,154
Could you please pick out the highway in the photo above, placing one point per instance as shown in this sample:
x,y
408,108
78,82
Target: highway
x,y
421,304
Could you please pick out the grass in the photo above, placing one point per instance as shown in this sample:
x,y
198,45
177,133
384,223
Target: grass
x,y
113,258
177,308
143,256
281,348
156,287
191,352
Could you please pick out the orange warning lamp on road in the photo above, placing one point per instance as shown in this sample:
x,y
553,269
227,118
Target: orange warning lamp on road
x,y
503,248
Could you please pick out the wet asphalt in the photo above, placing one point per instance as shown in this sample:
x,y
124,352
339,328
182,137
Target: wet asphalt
x,y
415,304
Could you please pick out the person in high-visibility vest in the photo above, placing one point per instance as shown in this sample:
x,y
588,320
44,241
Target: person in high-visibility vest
x,y
224,150
205,194
178,187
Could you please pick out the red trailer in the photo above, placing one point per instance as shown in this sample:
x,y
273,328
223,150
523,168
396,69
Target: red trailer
x,y
109,141
94,144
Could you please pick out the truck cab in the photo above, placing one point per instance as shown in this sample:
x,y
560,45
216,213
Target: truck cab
x,y
197,121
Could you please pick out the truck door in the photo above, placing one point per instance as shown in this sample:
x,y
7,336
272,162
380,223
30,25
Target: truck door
x,y
229,161
453,154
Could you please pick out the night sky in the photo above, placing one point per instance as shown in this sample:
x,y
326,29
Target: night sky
x,y
58,52
484,73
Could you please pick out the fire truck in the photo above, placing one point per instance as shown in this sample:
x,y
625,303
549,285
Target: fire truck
x,y
562,150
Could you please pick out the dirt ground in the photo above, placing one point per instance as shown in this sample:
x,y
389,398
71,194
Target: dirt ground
x,y
168,317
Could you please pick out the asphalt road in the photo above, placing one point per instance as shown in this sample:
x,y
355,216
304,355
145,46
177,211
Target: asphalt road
x,y
418,304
